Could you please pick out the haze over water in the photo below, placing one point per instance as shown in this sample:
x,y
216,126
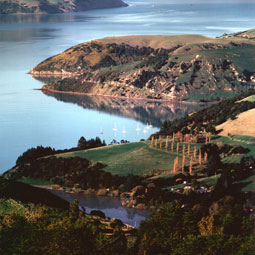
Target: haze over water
x,y
29,118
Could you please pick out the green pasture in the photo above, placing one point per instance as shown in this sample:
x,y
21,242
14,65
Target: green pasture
x,y
237,140
250,184
210,181
249,99
32,181
133,158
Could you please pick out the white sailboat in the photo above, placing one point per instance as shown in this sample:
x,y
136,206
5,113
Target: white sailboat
x,y
124,131
145,130
115,128
138,128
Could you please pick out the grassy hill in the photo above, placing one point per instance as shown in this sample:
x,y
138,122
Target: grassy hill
x,y
183,67
157,163
54,6
133,158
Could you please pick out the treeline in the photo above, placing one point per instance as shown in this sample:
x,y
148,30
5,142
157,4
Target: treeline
x,y
46,231
223,229
207,119
38,152
171,229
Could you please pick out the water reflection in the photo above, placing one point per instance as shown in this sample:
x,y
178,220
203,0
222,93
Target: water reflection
x,y
111,206
18,28
145,111
27,34
47,18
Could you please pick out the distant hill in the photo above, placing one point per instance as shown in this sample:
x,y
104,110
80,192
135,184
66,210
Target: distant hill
x,y
55,6
183,67
249,34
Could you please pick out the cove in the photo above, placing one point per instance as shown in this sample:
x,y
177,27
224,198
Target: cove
x,y
111,206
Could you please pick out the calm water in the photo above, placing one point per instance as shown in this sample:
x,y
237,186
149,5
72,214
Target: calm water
x,y
111,206
29,118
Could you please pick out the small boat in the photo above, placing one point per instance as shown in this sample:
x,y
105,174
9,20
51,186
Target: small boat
x,y
145,130
124,131
147,126
137,128
101,131
150,126
115,128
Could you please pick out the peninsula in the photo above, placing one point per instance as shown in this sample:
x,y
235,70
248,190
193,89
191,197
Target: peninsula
x,y
55,6
193,68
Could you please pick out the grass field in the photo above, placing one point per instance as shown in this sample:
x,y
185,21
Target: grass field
x,y
210,181
134,158
31,181
249,99
244,141
250,184
141,158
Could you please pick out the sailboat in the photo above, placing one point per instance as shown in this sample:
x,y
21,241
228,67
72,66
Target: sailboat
x,y
124,131
115,128
145,130
101,131
137,128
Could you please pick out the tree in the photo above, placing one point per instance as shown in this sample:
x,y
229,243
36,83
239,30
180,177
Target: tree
x,y
82,143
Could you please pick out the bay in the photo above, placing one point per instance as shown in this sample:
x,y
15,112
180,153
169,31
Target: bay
x,y
29,118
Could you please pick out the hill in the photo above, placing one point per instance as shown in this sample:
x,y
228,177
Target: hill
x,y
55,6
207,120
183,67
10,189
243,124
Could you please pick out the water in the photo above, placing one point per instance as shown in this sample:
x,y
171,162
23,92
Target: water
x,y
29,118
111,206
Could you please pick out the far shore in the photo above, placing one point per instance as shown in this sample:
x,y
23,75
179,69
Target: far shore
x,y
126,98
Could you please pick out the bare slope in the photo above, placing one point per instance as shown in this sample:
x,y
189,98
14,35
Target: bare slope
x,y
244,124
169,41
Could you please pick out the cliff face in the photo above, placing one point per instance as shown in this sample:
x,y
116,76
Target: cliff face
x,y
198,69
55,6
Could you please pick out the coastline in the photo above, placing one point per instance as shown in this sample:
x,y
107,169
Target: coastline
x,y
125,98
100,193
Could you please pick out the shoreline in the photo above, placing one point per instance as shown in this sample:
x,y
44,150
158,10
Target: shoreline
x,y
123,203
50,187
124,98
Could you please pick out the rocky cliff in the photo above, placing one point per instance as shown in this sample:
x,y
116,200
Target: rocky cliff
x,y
187,67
